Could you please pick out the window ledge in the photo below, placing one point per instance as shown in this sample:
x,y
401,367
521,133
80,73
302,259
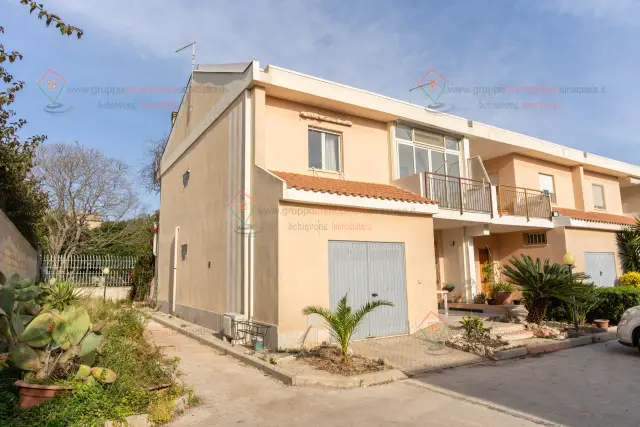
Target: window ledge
x,y
325,171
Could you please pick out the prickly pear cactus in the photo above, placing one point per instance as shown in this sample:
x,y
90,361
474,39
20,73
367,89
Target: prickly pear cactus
x,y
90,375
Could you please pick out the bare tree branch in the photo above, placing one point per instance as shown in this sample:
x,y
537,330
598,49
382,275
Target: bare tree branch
x,y
150,170
85,188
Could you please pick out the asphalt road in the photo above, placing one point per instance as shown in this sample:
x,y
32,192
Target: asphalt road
x,y
595,385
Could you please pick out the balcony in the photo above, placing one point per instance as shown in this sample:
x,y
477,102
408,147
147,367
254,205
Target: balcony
x,y
523,202
455,193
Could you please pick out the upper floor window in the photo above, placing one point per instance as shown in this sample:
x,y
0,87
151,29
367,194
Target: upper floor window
x,y
598,196
547,186
420,151
324,150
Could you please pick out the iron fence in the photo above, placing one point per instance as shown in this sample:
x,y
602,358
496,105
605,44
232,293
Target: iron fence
x,y
523,202
87,270
463,194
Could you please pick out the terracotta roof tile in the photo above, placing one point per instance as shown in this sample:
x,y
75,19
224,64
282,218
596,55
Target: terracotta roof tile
x,y
596,216
350,188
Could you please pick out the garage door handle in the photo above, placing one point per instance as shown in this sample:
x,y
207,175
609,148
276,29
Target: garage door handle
x,y
374,295
601,273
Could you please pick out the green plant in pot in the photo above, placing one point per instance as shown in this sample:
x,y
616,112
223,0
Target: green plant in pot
x,y
449,287
502,292
58,294
51,347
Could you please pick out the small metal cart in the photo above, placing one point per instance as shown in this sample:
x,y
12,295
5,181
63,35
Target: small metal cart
x,y
249,330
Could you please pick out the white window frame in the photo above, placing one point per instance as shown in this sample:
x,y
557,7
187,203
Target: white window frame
x,y
429,148
323,132
553,196
604,199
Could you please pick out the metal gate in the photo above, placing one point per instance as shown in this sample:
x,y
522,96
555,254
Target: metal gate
x,y
601,268
366,271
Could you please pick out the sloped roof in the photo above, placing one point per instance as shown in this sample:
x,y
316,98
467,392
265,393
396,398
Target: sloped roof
x,y
350,188
596,216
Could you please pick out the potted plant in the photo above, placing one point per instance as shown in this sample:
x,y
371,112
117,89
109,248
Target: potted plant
x,y
53,345
47,344
602,323
502,292
449,287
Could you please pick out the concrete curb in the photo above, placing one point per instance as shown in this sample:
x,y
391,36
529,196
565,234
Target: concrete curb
x,y
553,345
206,337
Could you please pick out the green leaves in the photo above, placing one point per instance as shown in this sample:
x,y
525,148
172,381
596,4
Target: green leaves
x,y
343,323
77,321
540,282
25,358
89,343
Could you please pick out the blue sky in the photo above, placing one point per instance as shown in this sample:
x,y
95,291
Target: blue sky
x,y
381,46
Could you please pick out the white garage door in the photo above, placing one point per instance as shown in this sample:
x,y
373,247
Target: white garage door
x,y
601,268
366,271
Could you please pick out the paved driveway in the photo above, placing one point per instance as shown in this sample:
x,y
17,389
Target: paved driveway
x,y
233,394
595,385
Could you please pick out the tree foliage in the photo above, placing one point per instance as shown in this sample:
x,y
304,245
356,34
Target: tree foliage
x,y
628,241
149,170
86,189
21,197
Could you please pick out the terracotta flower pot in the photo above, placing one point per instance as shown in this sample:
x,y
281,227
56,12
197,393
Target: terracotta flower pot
x,y
35,394
601,323
502,297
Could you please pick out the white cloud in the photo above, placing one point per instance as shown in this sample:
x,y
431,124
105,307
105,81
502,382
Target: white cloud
x,y
386,47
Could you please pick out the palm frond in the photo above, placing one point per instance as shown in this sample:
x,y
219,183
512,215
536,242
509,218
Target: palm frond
x,y
343,322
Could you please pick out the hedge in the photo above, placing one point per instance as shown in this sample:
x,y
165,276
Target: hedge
x,y
613,302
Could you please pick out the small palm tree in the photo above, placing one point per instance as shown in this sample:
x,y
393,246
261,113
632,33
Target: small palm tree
x,y
540,282
343,322
628,242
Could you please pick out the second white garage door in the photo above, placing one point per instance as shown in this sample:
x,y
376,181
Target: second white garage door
x,y
366,271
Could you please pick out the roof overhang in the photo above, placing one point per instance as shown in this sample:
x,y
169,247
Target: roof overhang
x,y
298,87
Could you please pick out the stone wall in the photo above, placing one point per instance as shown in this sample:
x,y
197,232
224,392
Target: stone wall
x,y
16,254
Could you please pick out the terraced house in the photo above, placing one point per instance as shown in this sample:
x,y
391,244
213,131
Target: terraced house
x,y
282,190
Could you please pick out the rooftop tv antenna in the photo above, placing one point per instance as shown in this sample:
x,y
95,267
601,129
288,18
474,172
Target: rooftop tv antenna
x,y
193,63
193,55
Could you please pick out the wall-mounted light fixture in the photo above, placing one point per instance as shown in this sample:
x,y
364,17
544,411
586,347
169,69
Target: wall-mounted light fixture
x,y
185,178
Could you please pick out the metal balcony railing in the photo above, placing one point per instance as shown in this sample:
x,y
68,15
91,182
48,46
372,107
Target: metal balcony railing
x,y
463,194
523,202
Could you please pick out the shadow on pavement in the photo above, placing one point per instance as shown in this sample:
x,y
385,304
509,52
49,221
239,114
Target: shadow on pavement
x,y
594,385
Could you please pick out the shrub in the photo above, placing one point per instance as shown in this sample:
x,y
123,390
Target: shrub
x,y
481,298
124,349
631,278
503,287
541,281
142,276
58,295
473,327
613,302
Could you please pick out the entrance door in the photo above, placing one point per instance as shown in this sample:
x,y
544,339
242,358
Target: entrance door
x,y
366,271
484,259
601,268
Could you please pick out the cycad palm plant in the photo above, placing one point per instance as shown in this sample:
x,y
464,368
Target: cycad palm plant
x,y
344,322
540,282
628,241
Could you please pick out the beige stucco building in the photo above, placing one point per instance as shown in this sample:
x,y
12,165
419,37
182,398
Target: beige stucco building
x,y
282,190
